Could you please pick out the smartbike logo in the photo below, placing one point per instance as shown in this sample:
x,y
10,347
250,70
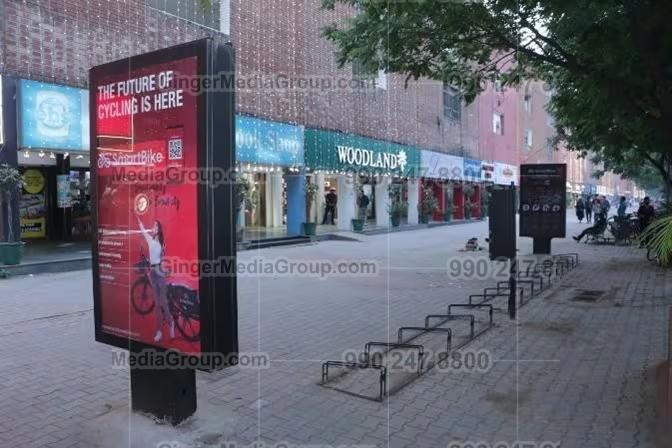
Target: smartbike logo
x,y
140,158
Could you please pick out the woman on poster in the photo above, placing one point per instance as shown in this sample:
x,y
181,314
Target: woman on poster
x,y
156,249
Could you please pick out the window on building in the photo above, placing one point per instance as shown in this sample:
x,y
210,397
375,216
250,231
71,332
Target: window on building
x,y
498,123
527,104
528,138
452,103
207,14
381,80
550,148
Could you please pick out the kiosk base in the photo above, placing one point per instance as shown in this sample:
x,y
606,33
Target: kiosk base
x,y
167,394
541,246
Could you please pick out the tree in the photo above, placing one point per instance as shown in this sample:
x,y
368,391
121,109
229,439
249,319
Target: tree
x,y
608,62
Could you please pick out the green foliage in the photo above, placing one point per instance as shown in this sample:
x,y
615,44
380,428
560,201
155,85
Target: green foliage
x,y
658,236
311,190
11,181
607,63
242,193
429,204
397,207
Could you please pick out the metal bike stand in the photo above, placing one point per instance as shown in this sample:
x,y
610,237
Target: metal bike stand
x,y
392,346
448,317
355,366
423,330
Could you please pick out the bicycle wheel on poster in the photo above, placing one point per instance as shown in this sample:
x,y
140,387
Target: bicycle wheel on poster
x,y
142,296
185,307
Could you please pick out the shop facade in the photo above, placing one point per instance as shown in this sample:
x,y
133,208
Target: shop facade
x,y
352,166
270,156
443,174
52,154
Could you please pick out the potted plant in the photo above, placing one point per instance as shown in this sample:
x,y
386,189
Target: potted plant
x,y
448,208
310,226
468,207
396,209
468,191
11,184
428,206
448,213
362,207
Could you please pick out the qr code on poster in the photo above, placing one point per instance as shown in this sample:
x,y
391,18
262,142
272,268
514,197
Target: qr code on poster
x,y
175,149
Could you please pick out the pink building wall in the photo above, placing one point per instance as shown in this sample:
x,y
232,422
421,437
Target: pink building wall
x,y
493,147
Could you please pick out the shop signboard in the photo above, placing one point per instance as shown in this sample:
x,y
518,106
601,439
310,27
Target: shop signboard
x,y
436,165
52,116
326,150
472,170
268,142
504,174
543,201
160,220
488,172
63,193
33,205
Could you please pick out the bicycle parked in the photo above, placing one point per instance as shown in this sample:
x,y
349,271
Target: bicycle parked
x,y
183,301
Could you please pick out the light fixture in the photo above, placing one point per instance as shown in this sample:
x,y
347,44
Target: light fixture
x,y
79,157
41,154
66,155
26,154
52,155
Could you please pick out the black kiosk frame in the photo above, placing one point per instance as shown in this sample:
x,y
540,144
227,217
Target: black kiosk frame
x,y
170,394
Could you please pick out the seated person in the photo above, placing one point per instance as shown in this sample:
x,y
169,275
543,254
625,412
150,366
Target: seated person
x,y
598,228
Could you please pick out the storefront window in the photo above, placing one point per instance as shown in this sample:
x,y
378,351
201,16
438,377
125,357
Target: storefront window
x,y
81,203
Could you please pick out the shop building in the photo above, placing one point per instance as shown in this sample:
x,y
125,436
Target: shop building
x,y
270,157
351,165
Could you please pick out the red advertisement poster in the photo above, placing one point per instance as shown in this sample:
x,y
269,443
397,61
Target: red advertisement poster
x,y
146,130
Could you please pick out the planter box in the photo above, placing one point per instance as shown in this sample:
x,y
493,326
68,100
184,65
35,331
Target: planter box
x,y
395,220
11,253
309,228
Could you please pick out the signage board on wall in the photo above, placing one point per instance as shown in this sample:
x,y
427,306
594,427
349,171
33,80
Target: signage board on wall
x,y
543,201
472,170
436,165
326,150
156,234
63,193
268,142
33,205
52,116
504,174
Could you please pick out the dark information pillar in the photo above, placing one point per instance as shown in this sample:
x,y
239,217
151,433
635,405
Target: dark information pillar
x,y
168,394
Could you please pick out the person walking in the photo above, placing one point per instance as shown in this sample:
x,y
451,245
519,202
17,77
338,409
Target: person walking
x,y
580,209
646,213
622,208
331,200
589,209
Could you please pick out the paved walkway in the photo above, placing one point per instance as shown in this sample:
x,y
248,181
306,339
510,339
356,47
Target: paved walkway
x,y
574,373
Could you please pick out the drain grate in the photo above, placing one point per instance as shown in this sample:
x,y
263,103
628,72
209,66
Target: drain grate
x,y
588,295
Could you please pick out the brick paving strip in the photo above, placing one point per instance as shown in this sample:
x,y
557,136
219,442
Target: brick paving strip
x,y
585,376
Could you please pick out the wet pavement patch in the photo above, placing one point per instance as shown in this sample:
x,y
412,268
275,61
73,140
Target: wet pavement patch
x,y
588,295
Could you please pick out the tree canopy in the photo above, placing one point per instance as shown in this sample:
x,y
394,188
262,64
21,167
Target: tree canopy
x,y
608,62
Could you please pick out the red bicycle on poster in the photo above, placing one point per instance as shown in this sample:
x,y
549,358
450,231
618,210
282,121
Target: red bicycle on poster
x,y
183,302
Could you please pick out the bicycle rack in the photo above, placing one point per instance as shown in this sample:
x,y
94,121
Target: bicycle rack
x,y
391,346
423,330
536,278
352,366
447,317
